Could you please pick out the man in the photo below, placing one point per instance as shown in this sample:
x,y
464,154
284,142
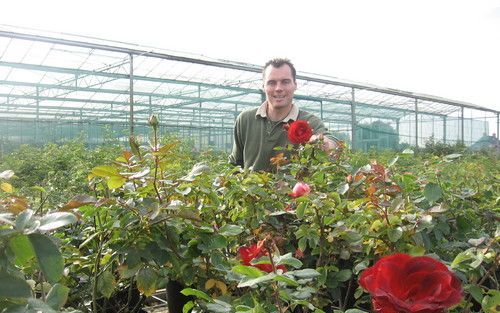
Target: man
x,y
258,131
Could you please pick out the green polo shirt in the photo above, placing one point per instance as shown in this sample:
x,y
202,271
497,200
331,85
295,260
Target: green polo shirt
x,y
256,136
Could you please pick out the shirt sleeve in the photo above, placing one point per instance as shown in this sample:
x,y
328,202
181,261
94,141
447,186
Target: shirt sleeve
x,y
319,128
236,156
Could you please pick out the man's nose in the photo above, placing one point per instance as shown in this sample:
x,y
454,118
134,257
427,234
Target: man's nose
x,y
279,86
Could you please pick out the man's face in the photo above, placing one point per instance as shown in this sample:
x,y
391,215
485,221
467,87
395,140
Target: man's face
x,y
279,86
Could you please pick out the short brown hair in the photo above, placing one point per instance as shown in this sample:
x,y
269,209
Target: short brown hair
x,y
279,62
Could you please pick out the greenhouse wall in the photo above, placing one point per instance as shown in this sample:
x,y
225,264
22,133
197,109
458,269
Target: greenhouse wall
x,y
59,88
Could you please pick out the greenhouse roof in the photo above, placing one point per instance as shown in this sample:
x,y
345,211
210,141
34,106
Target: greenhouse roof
x,y
66,77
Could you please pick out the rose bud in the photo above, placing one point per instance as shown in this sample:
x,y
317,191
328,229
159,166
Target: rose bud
x,y
300,189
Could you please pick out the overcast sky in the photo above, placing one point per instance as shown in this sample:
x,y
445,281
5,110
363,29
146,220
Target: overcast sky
x,y
446,48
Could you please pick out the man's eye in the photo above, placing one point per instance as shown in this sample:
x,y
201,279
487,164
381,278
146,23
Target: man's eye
x,y
271,83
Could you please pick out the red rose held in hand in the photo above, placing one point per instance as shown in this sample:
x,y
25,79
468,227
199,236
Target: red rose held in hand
x,y
299,132
401,283
255,251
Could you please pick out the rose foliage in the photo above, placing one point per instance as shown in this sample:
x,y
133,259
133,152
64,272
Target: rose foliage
x,y
160,212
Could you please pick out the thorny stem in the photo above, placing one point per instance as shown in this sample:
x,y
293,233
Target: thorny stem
x,y
321,237
96,269
347,294
275,285
42,202
157,161
40,277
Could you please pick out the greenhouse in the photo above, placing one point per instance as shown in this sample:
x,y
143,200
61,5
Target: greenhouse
x,y
116,194
57,88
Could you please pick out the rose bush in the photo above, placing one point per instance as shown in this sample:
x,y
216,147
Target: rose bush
x,y
401,283
299,132
157,214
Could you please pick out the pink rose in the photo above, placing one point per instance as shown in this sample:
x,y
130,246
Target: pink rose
x,y
300,189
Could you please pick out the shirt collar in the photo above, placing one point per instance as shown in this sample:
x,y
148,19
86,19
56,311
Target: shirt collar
x,y
292,116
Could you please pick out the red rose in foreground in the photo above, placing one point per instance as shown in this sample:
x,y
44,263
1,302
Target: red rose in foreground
x,y
299,132
300,189
256,251
401,283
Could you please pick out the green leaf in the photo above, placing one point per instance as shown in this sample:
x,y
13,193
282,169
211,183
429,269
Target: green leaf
x,y
355,311
461,257
304,293
248,271
393,161
39,189
342,189
343,275
105,171
23,220
115,182
57,296
106,284
48,256
491,301
287,280
184,192
230,230
417,250
305,273
55,220
301,209
453,156
187,307
476,292
255,281
13,287
22,248
146,281
394,234
287,259
432,192
219,307
212,242
197,293
35,305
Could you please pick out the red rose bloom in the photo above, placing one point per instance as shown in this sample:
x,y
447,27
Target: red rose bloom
x,y
299,132
247,254
401,283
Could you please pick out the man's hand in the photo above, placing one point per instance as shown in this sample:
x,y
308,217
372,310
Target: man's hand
x,y
328,144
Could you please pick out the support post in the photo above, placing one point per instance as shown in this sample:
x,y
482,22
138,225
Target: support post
x,y
444,128
37,113
131,94
462,123
416,122
353,119
498,125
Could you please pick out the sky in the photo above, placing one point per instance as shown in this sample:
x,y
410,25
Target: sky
x,y
445,48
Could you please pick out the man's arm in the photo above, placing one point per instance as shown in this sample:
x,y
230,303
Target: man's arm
x,y
328,144
236,156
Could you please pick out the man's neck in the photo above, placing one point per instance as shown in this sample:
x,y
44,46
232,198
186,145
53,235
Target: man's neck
x,y
278,114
